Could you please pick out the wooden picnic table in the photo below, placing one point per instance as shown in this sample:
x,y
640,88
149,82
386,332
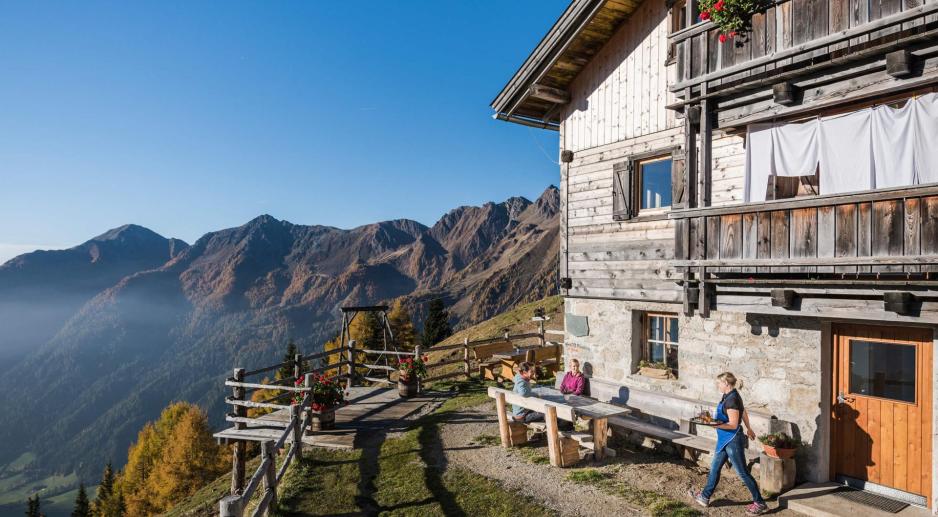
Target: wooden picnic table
x,y
554,405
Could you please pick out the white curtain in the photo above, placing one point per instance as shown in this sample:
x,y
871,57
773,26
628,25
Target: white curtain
x,y
872,148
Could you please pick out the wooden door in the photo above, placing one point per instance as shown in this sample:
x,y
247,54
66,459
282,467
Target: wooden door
x,y
882,406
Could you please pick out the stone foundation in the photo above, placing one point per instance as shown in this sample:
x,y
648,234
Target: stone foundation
x,y
779,360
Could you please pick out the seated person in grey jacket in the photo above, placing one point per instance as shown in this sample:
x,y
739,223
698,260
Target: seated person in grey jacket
x,y
523,387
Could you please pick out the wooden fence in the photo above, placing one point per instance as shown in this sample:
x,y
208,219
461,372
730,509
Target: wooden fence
x,y
347,368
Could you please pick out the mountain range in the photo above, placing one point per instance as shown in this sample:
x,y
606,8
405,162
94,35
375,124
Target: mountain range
x,y
98,338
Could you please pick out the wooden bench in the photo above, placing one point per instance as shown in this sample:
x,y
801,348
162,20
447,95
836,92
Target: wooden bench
x,y
499,365
690,443
556,406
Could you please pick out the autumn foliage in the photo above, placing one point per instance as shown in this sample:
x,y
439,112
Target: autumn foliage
x,y
171,459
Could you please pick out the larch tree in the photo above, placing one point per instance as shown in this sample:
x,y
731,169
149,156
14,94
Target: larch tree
x,y
402,325
436,325
147,483
82,506
189,460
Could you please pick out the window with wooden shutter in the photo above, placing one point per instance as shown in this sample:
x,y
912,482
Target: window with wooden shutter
x,y
622,197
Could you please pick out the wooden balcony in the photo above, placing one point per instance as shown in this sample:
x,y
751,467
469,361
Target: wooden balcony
x,y
886,236
795,37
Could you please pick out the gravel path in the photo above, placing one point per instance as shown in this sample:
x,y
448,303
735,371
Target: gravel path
x,y
644,470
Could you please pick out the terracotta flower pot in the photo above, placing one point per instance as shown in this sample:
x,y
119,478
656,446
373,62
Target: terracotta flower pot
x,y
407,388
774,452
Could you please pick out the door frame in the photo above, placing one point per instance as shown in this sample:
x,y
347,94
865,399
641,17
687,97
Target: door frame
x,y
834,330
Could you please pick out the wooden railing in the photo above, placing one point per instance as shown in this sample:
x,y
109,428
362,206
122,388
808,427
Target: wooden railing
x,y
793,32
890,231
267,472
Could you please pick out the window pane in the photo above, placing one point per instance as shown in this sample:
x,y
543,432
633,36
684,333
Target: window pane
x,y
672,332
657,352
656,184
885,370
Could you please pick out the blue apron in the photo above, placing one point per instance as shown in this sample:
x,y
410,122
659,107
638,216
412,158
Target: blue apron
x,y
724,436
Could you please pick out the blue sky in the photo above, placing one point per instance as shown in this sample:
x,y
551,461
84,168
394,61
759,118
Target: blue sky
x,y
188,117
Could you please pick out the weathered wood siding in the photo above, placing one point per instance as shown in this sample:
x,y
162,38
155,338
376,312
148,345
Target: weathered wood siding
x,y
615,259
623,91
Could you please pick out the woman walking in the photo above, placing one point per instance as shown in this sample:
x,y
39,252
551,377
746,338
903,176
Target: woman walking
x,y
730,446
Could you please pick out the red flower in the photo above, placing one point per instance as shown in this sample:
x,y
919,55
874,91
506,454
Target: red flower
x,y
722,38
718,6
424,358
732,34
705,15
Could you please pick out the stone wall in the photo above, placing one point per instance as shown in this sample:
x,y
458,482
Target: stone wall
x,y
778,358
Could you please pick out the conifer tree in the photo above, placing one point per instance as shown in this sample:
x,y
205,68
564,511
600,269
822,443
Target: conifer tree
x,y
105,489
32,506
402,325
436,325
286,370
82,507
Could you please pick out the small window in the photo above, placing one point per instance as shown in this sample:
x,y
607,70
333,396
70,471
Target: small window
x,y
654,182
660,342
642,185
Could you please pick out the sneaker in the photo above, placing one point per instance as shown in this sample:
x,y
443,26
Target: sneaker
x,y
697,496
756,509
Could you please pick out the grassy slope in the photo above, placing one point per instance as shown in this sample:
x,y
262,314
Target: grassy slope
x,y
517,320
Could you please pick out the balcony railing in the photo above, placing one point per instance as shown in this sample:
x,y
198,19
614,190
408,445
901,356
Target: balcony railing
x,y
880,235
794,35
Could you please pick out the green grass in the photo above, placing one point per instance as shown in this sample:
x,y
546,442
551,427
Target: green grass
x,y
532,455
587,476
658,505
404,476
486,439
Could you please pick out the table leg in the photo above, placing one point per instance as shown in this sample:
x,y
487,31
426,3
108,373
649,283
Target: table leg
x,y
600,426
553,438
502,420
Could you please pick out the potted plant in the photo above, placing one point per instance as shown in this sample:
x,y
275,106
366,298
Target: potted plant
x,y
655,370
778,445
326,396
732,17
410,370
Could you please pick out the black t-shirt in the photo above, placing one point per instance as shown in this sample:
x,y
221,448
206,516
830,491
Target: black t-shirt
x,y
732,400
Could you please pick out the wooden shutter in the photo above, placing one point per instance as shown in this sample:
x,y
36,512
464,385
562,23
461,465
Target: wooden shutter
x,y
622,191
678,189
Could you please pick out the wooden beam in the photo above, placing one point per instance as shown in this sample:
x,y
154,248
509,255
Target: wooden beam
x,y
899,302
826,200
785,93
899,63
896,260
784,298
549,94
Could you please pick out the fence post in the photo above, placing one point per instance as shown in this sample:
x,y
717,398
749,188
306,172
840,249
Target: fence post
x,y
270,479
308,383
541,332
296,414
351,364
230,506
297,366
417,356
239,449
465,357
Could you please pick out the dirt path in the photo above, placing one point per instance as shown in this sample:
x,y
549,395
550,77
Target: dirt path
x,y
469,439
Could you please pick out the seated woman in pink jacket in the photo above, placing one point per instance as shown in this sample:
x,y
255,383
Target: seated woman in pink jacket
x,y
574,383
